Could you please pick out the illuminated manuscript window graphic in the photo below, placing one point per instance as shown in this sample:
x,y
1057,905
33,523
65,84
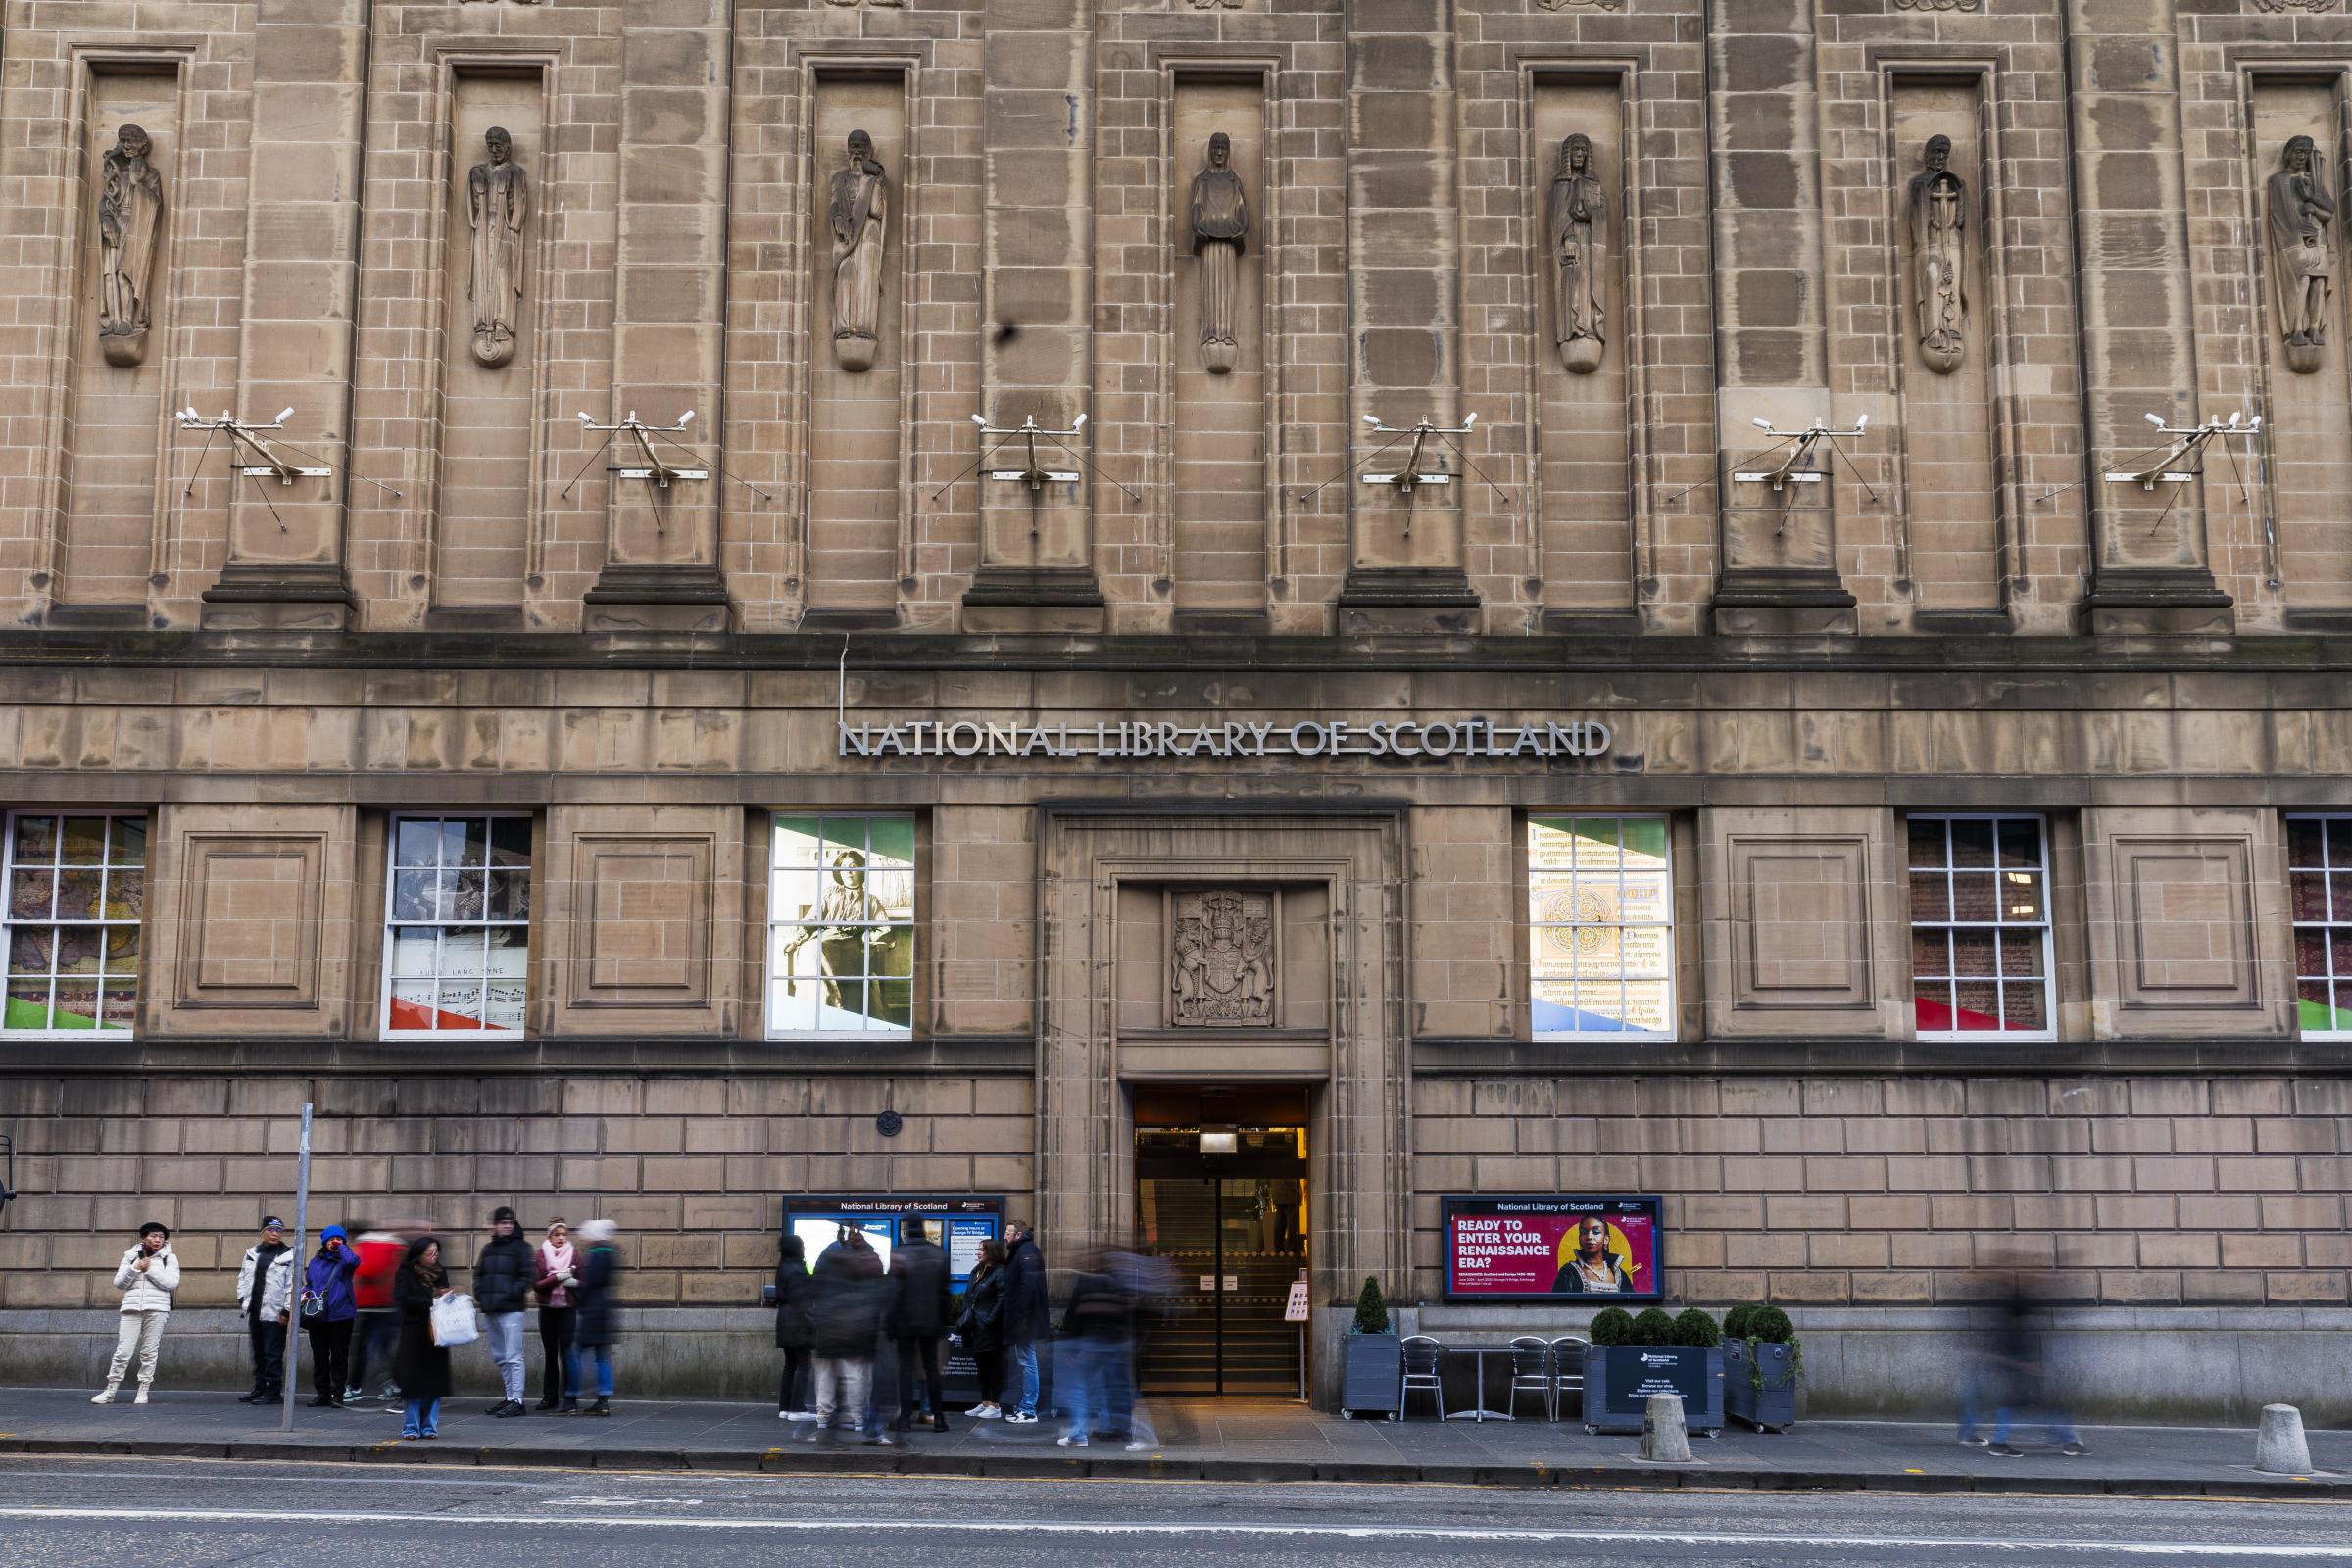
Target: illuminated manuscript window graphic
x,y
77,888
1601,919
458,925
1980,927
840,926
2318,862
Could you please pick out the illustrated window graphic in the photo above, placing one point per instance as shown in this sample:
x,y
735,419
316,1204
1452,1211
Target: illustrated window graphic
x,y
1601,919
459,927
840,926
2318,859
77,889
1980,926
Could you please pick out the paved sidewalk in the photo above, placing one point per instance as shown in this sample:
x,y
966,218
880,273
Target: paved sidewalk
x,y
1228,1439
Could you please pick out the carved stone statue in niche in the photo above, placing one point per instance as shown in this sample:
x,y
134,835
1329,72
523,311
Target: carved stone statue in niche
x,y
130,215
1223,970
859,212
498,203
1936,206
1220,235
1577,223
2300,211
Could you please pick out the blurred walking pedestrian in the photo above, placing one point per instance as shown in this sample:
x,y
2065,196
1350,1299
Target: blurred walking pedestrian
x,y
502,1288
845,1317
795,1290
1094,1334
556,1265
264,1283
981,1328
147,1276
922,1299
421,1363
377,1331
2027,1385
597,1329
1028,1318
329,1309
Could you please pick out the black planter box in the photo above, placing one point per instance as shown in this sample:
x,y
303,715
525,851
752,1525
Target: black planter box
x,y
1374,1382
1772,1407
1619,1380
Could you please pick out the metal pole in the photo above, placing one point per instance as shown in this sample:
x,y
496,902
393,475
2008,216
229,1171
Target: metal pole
x,y
297,1267
1216,1258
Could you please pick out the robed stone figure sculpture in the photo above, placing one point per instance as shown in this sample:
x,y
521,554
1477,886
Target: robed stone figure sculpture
x,y
498,203
1935,207
858,209
2300,211
130,215
1220,235
1578,217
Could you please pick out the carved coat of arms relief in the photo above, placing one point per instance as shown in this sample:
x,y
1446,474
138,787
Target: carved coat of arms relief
x,y
1221,969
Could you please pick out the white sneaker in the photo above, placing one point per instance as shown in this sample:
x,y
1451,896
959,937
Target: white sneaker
x,y
102,1397
139,1397
1139,1448
1016,1419
1071,1442
985,1412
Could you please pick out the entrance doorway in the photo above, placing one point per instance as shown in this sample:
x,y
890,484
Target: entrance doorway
x,y
1225,1202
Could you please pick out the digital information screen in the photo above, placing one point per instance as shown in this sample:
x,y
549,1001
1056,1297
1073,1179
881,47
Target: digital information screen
x,y
1553,1249
958,1224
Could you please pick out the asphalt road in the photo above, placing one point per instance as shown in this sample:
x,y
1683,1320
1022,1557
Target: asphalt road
x,y
68,1512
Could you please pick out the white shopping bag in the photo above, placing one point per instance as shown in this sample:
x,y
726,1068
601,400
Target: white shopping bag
x,y
454,1321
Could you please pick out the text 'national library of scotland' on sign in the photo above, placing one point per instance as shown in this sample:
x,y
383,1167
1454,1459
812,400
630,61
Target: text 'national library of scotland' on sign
x,y
1141,738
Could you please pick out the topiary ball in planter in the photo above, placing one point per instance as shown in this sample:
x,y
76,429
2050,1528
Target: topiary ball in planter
x,y
1696,1328
1769,1324
1612,1325
1653,1327
1734,1322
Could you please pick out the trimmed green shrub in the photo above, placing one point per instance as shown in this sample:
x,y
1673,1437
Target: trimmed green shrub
x,y
1656,1326
1695,1327
1734,1322
1371,1308
1771,1325
1612,1325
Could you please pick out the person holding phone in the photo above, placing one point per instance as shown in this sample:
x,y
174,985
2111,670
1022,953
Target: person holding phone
x,y
147,1276
329,1308
420,1364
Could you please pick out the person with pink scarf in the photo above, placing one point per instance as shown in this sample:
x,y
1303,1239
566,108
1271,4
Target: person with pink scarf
x,y
557,1266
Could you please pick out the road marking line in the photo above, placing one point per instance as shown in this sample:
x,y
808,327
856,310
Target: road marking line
x,y
1071,1527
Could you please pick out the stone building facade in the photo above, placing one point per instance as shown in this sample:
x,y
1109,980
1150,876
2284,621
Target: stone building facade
x,y
1537,596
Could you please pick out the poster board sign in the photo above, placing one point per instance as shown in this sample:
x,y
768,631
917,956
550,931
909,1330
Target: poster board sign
x,y
1558,1247
1298,1309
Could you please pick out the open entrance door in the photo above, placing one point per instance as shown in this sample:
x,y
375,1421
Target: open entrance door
x,y
1226,1204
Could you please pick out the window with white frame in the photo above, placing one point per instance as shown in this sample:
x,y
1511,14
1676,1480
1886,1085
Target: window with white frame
x,y
457,925
1600,920
2318,872
841,926
77,890
1980,926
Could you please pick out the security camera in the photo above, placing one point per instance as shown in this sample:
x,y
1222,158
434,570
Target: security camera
x,y
1081,424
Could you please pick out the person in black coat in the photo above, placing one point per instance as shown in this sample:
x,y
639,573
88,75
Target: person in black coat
x,y
921,1302
981,1328
420,1365
844,1315
599,1323
795,1290
1028,1317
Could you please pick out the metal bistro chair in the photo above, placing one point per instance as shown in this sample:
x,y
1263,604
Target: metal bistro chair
x,y
1421,1355
1567,1372
1531,1373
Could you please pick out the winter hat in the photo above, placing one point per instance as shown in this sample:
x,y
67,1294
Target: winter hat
x,y
334,1233
599,1230
153,1226
505,1216
274,1223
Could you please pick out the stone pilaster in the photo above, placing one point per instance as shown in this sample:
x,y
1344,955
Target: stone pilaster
x,y
286,565
2150,568
1037,569
662,570
1779,568
1405,558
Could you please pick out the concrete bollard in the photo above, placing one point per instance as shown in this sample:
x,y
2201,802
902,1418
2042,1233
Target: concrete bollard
x,y
2280,1448
1664,1437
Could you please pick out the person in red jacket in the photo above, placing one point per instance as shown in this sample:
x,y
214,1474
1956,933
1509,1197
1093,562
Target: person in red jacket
x,y
378,1325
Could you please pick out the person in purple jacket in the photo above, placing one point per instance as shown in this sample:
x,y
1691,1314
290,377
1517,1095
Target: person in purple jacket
x,y
329,1308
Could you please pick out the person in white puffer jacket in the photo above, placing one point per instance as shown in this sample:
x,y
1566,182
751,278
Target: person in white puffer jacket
x,y
147,1276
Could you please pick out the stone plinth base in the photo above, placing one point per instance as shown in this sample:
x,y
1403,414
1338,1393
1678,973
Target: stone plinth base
x,y
2164,601
280,596
658,599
